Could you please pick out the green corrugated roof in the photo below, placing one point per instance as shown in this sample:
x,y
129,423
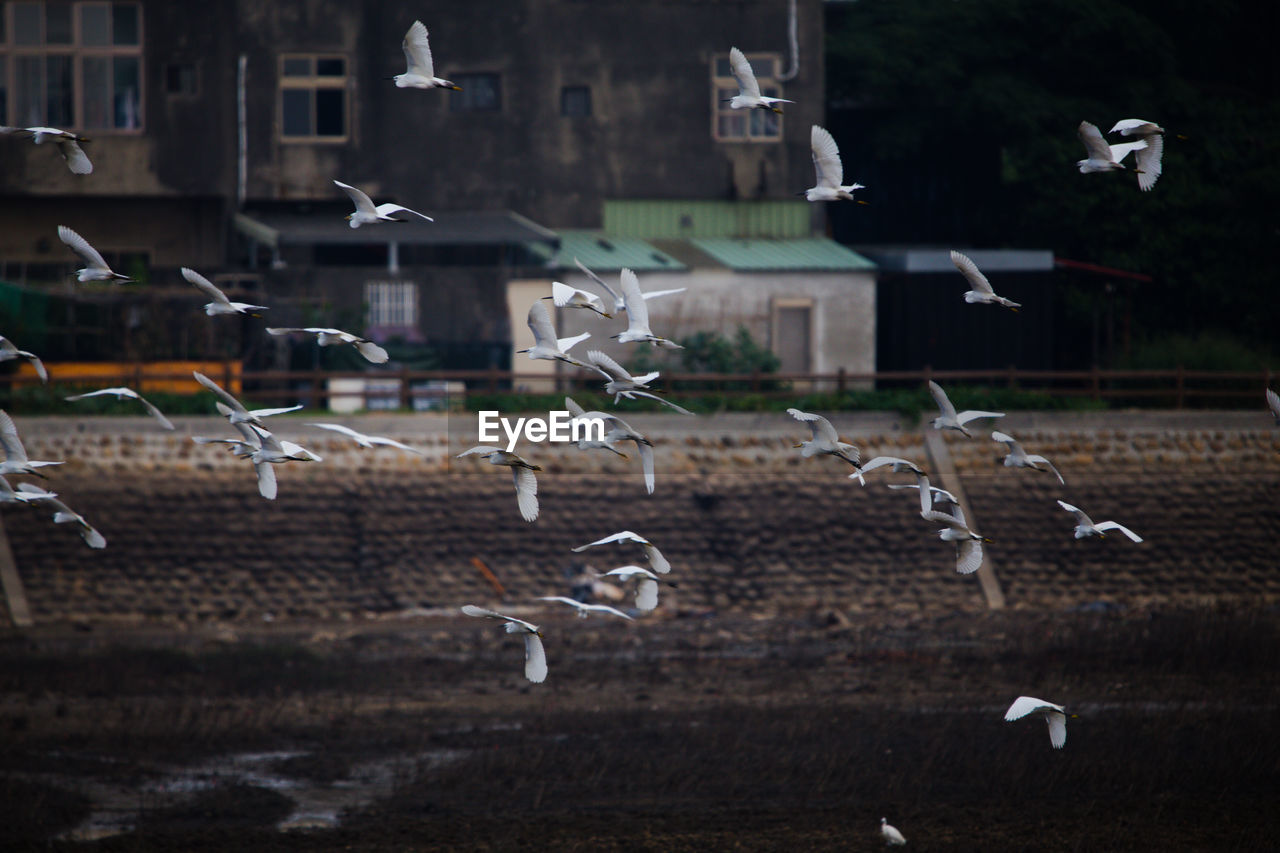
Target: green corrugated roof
x,y
606,252
813,253
691,218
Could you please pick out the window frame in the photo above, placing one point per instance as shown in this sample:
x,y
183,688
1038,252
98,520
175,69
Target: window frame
x,y
400,288
313,83
77,51
770,86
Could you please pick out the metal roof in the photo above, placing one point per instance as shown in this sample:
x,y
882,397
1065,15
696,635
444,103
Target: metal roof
x,y
497,227
911,260
812,253
677,219
606,252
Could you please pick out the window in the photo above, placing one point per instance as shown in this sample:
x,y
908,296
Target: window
x,y
392,304
575,101
313,97
180,79
71,65
481,93
745,125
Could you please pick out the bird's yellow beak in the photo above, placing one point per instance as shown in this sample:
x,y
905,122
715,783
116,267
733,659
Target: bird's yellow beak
x,y
459,89
776,110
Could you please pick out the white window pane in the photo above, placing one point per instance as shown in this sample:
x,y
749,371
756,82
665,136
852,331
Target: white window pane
x,y
95,25
26,23
297,112
29,90
124,23
95,97
126,100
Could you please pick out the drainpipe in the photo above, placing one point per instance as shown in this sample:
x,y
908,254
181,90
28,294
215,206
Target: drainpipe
x,y
794,40
242,137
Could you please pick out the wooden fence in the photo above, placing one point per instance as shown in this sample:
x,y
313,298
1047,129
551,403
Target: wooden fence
x,y
408,389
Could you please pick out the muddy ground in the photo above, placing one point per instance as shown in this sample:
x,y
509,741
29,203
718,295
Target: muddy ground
x,y
700,732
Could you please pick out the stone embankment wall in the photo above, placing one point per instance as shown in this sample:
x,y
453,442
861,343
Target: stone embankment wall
x,y
747,524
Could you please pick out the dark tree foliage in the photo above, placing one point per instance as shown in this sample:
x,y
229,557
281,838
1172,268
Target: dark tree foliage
x,y
961,115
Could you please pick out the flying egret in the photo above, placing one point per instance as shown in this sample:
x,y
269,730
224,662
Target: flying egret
x,y
269,451
235,411
68,145
367,441
421,72
1136,127
619,301
1102,157
949,419
982,291
16,461
825,439
646,588
622,384
546,345
332,337
585,442
830,172
1053,714
619,430
22,496
1273,403
930,495
1148,160
1086,527
535,656
521,473
896,464
122,394
565,296
657,562
890,834
749,96
968,543
638,315
220,304
63,514
9,351
1019,458
96,268
367,214
585,610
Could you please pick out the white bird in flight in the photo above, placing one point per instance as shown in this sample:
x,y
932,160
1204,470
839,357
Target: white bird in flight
x,y
1019,458
646,588
333,337
545,343
981,291
235,411
1273,403
220,304
1053,714
622,384
96,268
825,439
638,330
949,418
367,441
890,834
1102,157
68,145
968,543
657,562
521,473
264,450
1148,160
749,96
930,495
122,394
63,514
616,429
1086,527
9,351
367,214
567,296
830,172
535,656
16,460
22,496
421,73
896,464
619,301
585,610
585,441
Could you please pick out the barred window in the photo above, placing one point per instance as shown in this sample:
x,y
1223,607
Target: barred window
x,y
392,304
